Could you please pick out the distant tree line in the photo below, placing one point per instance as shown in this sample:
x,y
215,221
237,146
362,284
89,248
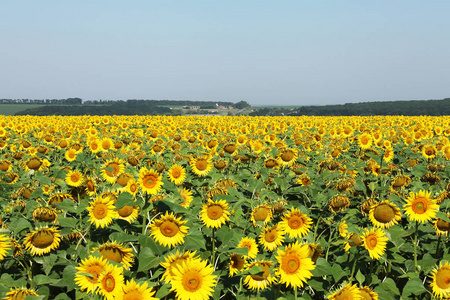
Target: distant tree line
x,y
68,101
404,108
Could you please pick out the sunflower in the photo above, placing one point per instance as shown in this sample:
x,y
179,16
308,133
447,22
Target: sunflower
x,y
74,178
112,169
177,174
94,146
400,182
133,291
237,263
441,280
260,282
215,213
249,243
374,241
261,213
94,266
367,293
44,214
128,213
384,214
19,293
102,211
365,206
42,241
71,154
201,166
294,265
116,252
348,292
388,155
295,223
193,280
343,229
91,188
353,239
132,187
106,144
169,230
187,197
429,152
287,157
314,252
365,141
34,163
5,246
442,227
110,282
150,181
173,260
420,207
271,237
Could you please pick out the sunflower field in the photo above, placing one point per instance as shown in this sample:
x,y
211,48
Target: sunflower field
x,y
145,207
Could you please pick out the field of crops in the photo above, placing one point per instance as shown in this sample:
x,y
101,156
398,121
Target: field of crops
x,y
224,207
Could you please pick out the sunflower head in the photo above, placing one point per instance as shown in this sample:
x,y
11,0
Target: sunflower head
x,y
339,203
420,206
441,280
42,241
384,214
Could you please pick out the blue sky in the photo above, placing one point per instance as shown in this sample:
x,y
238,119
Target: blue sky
x,y
264,52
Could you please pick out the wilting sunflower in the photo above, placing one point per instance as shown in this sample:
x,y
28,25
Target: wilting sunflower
x,y
201,166
177,174
44,214
295,223
110,282
215,213
442,227
353,239
187,197
367,293
172,260
384,214
74,178
400,182
116,252
261,213
294,265
271,237
374,241
42,241
237,263
249,243
314,252
365,206
169,230
133,291
150,181
348,292
441,280
102,211
5,246
339,203
420,207
260,282
19,293
92,265
193,279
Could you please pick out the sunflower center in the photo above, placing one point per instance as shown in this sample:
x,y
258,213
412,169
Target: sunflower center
x,y
112,254
237,261
42,239
95,270
201,165
419,206
115,170
443,279
191,281
365,295
371,242
344,295
34,163
169,228
291,264
123,179
74,177
109,283
442,225
149,181
384,213
71,154
261,213
364,140
100,211
287,155
176,173
125,211
214,212
270,236
295,222
354,240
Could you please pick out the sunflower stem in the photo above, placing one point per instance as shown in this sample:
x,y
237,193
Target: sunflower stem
x,y
315,229
437,247
213,250
356,258
295,293
415,246
144,221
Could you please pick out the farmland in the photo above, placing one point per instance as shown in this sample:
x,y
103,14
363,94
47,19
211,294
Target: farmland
x,y
175,207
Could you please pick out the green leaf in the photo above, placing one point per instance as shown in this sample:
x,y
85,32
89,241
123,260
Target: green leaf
x,y
125,199
414,287
43,279
67,222
194,242
337,272
69,277
360,278
163,291
147,260
121,237
390,286
19,225
322,267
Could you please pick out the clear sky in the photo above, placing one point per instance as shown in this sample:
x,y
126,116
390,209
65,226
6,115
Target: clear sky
x,y
289,52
